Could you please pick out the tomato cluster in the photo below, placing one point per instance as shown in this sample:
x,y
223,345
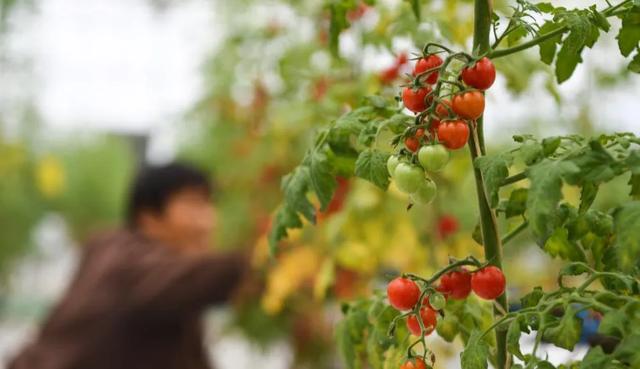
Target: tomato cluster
x,y
442,124
403,293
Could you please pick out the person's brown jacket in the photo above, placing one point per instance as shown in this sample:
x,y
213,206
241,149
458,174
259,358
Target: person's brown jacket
x,y
133,304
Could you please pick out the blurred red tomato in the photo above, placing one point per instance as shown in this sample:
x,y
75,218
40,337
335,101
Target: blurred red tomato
x,y
447,225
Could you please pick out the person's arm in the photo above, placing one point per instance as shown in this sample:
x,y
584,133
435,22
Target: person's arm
x,y
167,282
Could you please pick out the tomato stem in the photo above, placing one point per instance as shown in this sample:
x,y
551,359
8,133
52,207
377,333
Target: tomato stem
x,y
511,235
514,178
488,221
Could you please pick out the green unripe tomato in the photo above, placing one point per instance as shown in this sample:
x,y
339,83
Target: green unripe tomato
x,y
408,177
392,163
433,157
437,301
425,193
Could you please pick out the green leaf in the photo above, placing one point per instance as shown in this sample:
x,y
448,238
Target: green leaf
x,y
543,364
513,339
345,345
567,331
545,193
634,65
532,298
595,163
595,359
415,6
295,186
559,245
351,333
494,168
629,35
368,134
372,166
477,234
627,230
574,269
545,7
548,47
285,219
572,45
634,182
321,177
627,350
398,123
550,145
531,152
516,36
587,195
614,323
517,203
475,353
352,123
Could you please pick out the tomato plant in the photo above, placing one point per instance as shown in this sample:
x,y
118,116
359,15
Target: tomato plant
x,y
518,189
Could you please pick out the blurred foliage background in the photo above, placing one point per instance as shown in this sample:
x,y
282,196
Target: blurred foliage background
x,y
270,83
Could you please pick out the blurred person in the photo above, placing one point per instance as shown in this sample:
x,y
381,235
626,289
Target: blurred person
x,y
137,297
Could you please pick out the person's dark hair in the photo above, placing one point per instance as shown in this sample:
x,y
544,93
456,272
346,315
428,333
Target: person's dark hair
x,y
154,186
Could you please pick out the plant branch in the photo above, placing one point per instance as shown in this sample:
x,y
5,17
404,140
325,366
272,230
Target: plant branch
x,y
608,12
514,178
511,235
531,43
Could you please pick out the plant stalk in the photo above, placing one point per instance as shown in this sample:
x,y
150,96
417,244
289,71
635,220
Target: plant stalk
x,y
488,221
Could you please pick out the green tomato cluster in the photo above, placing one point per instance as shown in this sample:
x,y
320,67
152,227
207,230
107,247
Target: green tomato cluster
x,y
412,179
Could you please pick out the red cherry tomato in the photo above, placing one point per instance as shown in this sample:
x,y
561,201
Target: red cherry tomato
x,y
389,75
402,58
447,225
488,283
433,128
403,293
429,319
468,105
419,132
416,363
456,284
412,143
357,13
424,64
414,99
480,75
453,134
441,110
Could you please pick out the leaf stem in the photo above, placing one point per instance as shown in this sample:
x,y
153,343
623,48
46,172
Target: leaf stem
x,y
514,178
511,235
531,43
